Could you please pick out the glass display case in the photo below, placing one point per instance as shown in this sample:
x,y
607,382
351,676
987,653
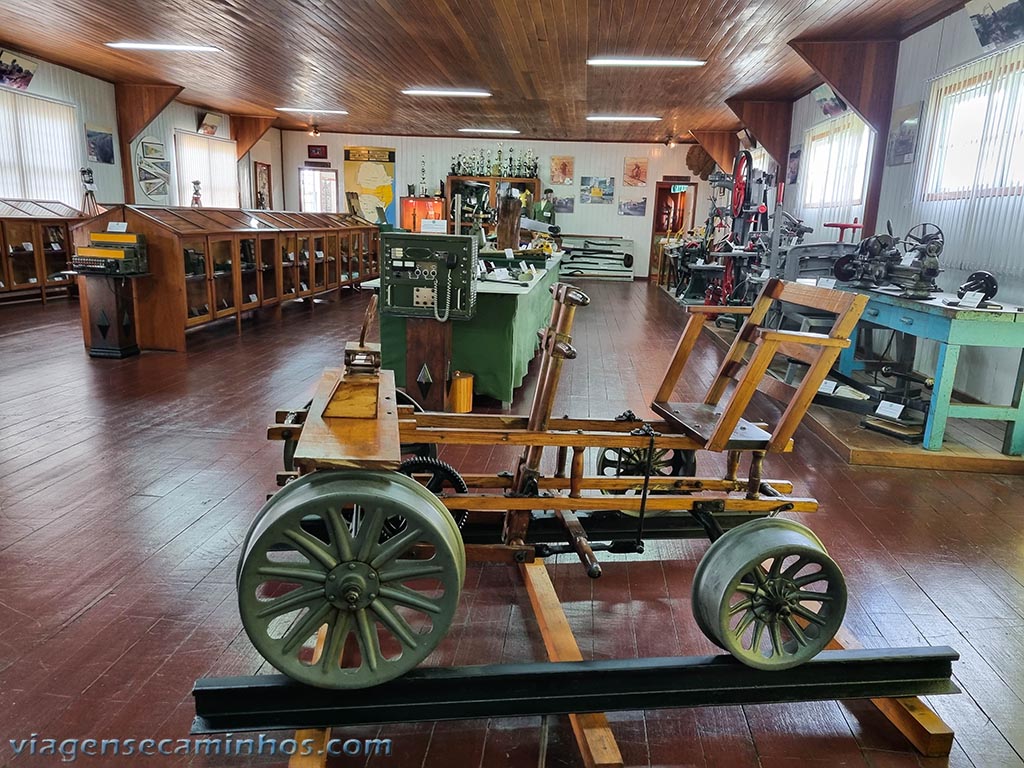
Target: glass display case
x,y
197,281
34,254
480,194
416,210
209,264
270,270
248,267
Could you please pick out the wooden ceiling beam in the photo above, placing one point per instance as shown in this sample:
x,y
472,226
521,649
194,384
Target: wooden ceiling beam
x,y
769,121
721,145
137,106
863,74
246,130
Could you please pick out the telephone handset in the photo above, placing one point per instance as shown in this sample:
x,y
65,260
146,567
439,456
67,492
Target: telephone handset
x,y
451,261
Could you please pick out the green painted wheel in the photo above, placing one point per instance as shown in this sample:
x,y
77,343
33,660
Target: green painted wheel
x,y
315,566
769,594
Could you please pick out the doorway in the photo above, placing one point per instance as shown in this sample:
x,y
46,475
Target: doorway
x,y
675,209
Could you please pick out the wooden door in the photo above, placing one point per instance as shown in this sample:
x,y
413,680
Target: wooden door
x,y
22,254
289,266
331,256
304,264
318,262
222,275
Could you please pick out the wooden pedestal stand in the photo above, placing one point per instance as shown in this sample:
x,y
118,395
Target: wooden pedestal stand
x,y
428,356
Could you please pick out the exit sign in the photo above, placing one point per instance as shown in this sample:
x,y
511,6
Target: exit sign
x,y
678,188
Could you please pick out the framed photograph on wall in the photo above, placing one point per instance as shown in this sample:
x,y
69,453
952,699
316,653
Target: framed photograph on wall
x,y
316,151
562,169
263,191
634,172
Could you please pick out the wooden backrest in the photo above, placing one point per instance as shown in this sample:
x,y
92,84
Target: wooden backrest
x,y
755,346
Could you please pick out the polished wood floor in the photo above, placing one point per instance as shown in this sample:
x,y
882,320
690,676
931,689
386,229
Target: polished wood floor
x,y
126,486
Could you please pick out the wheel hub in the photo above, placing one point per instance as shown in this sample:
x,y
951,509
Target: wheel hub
x,y
352,586
775,600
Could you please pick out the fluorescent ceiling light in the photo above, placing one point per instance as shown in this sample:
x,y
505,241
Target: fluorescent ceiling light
x,y
623,118
465,92
488,130
162,47
306,111
615,61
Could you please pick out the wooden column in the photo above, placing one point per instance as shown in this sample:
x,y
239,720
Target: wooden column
x,y
246,130
769,121
721,145
428,344
137,106
863,73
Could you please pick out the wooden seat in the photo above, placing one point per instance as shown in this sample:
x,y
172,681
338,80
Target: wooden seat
x,y
718,421
698,421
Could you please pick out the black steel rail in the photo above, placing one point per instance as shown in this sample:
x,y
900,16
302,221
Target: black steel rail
x,y
271,702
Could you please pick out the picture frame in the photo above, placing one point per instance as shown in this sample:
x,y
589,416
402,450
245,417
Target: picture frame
x,y
316,151
262,186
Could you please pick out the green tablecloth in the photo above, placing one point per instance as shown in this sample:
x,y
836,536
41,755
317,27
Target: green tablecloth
x,y
496,346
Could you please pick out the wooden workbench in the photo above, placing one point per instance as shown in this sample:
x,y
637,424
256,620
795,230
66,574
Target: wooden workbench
x,y
952,328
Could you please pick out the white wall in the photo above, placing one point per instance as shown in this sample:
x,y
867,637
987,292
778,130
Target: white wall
x,y
987,374
266,150
94,99
592,159
176,116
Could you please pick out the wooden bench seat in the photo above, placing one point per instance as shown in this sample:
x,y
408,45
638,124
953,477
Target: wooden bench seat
x,y
698,421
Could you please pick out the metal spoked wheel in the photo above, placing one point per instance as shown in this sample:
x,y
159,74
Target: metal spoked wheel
x,y
667,462
328,599
742,179
769,594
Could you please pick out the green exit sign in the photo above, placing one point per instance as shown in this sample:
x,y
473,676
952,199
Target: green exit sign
x,y
678,188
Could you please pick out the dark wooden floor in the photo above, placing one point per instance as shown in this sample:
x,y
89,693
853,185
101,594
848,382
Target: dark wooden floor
x,y
126,486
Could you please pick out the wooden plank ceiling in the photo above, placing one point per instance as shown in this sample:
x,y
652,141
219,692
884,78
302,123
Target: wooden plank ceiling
x,y
531,55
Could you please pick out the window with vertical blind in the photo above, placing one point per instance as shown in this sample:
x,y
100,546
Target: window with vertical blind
x,y
213,163
836,156
969,173
975,139
40,149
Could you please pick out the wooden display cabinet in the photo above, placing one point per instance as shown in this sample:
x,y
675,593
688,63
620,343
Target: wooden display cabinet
x,y
210,264
34,248
483,190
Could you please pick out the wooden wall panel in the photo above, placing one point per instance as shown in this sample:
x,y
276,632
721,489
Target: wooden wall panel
x,y
137,106
246,130
769,122
721,145
863,73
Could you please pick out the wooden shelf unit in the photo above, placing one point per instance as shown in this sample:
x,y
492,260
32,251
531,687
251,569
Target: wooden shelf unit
x,y
34,248
495,185
209,264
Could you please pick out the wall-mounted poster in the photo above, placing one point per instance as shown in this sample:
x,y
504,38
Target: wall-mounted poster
x,y
316,151
597,189
370,173
263,192
563,169
828,100
793,168
903,131
634,172
16,71
997,23
565,204
152,169
633,207
99,143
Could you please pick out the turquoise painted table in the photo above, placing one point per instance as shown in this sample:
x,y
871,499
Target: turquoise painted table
x,y
952,328
497,345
